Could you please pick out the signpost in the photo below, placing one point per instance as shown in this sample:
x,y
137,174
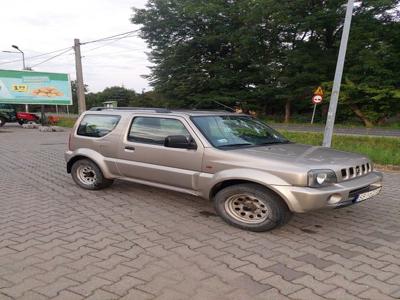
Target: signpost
x,y
317,99
27,87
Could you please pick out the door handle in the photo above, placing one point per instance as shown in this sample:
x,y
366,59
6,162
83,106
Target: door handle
x,y
129,148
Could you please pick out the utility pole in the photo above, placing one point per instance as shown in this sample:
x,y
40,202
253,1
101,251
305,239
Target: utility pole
x,y
79,77
23,68
330,122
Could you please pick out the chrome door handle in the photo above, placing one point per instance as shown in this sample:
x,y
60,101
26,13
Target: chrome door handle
x,y
129,148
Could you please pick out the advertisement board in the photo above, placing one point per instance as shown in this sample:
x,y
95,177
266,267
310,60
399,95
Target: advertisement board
x,y
28,87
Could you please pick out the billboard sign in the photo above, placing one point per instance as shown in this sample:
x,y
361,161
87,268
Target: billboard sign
x,y
28,87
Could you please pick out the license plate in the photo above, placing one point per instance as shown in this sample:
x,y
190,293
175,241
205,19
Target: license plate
x,y
367,195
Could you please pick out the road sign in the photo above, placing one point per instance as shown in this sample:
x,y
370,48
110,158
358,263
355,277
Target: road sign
x,y
319,91
27,87
317,99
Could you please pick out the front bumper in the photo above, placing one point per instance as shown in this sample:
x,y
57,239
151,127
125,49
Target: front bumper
x,y
303,199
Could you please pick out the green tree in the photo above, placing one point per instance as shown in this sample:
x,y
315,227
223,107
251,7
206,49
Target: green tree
x,y
271,54
209,50
372,75
125,97
372,64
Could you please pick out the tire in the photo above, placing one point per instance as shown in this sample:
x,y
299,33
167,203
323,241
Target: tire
x,y
251,207
21,122
2,121
88,175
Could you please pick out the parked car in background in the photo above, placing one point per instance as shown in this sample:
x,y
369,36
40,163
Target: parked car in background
x,y
7,114
255,177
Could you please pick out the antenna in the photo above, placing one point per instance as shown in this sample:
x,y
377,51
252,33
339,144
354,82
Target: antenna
x,y
223,105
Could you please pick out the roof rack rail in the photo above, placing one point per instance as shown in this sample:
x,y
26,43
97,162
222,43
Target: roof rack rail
x,y
155,109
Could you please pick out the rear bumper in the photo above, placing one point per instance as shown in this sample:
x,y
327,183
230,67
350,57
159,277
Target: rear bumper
x,y
303,199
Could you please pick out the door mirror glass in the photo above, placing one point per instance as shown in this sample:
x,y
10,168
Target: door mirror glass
x,y
180,141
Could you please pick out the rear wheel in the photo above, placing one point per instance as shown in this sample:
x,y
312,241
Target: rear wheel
x,y
2,121
251,207
88,175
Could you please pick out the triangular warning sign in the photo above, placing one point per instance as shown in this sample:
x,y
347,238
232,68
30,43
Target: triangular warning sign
x,y
319,91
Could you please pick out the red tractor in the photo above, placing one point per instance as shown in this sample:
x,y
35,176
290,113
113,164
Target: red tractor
x,y
27,118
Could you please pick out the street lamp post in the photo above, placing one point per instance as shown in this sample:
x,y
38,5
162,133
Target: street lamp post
x,y
330,122
23,66
23,56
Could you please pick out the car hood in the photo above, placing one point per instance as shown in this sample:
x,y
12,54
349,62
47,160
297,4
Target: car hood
x,y
306,155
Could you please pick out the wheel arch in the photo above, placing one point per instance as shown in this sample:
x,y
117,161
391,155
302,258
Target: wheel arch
x,y
74,160
93,156
229,182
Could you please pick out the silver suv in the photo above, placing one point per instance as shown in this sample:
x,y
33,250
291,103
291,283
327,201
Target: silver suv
x,y
255,177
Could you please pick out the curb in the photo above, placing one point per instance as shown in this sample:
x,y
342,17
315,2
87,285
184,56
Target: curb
x,y
388,168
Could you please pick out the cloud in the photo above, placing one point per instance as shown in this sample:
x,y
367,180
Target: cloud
x,y
42,26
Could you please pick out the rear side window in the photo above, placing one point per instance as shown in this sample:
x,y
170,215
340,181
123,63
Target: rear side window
x,y
152,130
97,125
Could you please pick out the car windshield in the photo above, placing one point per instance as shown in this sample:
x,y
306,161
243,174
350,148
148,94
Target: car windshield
x,y
237,131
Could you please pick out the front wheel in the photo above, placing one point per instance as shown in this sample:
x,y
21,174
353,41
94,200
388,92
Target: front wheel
x,y
88,175
2,121
251,207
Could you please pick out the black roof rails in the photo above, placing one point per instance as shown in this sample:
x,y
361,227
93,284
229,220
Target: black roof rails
x,y
155,109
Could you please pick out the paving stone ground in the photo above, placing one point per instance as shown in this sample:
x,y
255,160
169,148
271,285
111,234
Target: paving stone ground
x,y
58,241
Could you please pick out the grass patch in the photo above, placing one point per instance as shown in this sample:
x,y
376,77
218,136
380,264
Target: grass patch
x,y
390,126
382,150
66,122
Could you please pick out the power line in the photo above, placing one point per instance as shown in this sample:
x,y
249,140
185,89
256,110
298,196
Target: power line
x,y
111,42
115,53
44,54
112,38
34,57
46,60
109,37
10,61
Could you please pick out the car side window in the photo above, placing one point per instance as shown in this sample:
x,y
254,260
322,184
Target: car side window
x,y
97,125
153,130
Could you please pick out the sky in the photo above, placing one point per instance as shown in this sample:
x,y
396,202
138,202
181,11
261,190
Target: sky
x,y
43,26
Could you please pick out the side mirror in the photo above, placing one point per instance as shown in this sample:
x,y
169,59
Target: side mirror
x,y
180,141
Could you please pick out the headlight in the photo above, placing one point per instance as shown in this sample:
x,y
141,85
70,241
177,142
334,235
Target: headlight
x,y
318,178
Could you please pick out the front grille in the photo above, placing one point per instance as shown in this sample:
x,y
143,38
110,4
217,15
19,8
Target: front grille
x,y
356,171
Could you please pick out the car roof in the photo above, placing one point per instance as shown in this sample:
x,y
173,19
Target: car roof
x,y
159,111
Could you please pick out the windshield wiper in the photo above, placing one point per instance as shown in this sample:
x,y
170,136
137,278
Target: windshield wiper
x,y
273,142
235,145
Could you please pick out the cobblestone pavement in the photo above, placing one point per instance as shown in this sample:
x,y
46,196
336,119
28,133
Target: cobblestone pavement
x,y
338,130
58,241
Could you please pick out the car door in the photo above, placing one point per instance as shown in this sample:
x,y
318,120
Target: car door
x,y
144,157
